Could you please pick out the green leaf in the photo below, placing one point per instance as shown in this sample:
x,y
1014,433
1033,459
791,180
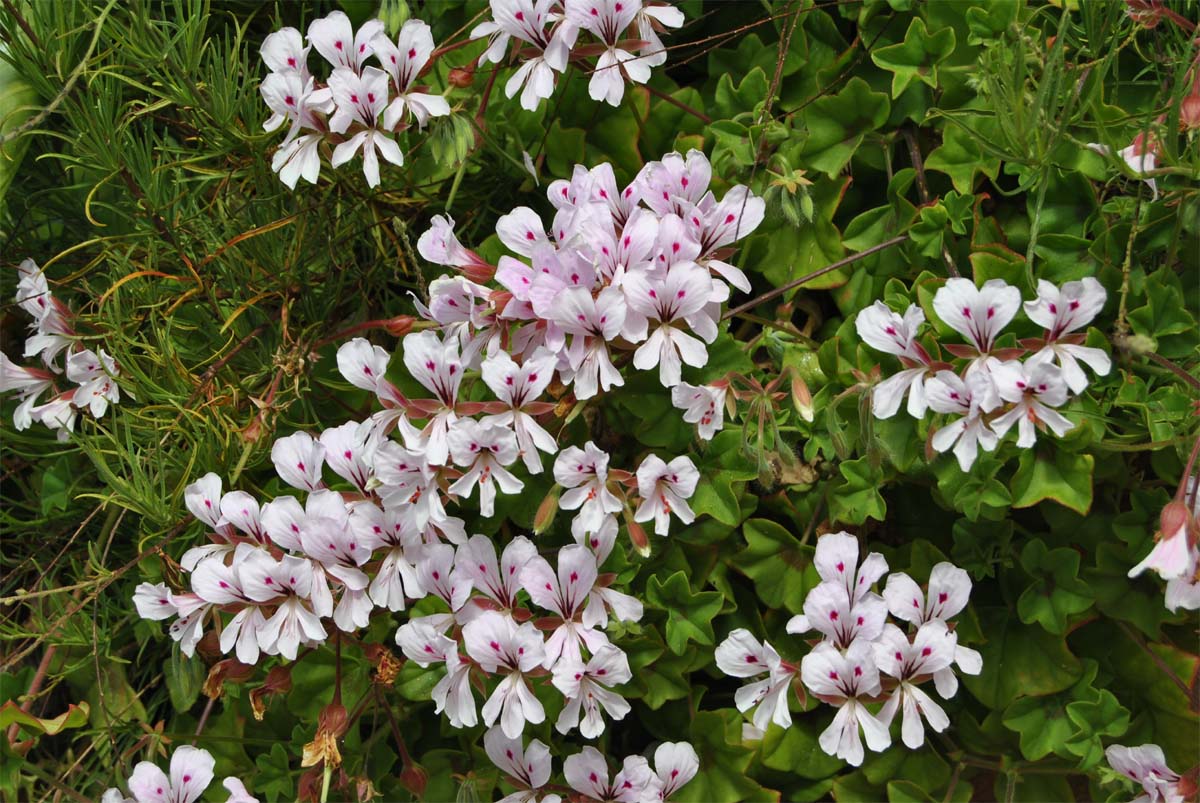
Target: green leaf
x,y
273,778
185,678
76,716
1057,593
18,103
730,102
796,750
1061,477
715,496
724,760
960,157
1096,721
858,498
56,483
917,57
780,567
1019,660
689,614
837,124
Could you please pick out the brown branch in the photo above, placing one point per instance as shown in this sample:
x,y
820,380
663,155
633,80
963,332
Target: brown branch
x,y
16,15
35,686
658,93
1156,658
792,285
914,154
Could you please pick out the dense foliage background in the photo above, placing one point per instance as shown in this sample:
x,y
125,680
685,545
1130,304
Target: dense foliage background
x,y
135,170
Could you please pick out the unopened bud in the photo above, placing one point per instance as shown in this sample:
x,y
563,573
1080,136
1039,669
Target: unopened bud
x,y
1189,111
461,77
400,325
802,398
544,516
637,535
414,778
478,270
1174,520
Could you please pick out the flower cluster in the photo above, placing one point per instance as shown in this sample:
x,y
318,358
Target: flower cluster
x,y
191,773
1176,554
547,33
644,265
93,375
281,574
1147,766
587,773
994,390
861,658
359,107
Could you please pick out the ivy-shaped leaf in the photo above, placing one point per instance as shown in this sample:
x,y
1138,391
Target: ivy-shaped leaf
x,y
917,57
1056,593
1061,477
837,124
689,613
780,567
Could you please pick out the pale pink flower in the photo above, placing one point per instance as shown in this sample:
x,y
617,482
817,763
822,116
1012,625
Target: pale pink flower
x,y
501,647
845,681
586,688
1061,312
665,489
1034,388
484,450
930,651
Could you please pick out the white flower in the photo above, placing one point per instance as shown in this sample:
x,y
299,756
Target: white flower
x,y
587,774
484,449
947,393
741,655
607,21
675,763
931,651
584,473
527,768
436,365
404,60
949,589
977,313
499,646
1148,766
585,685
1139,158
498,580
94,375
191,773
1062,312
298,460
664,489
1034,388
518,386
334,38
362,99
680,297
564,593
829,610
842,680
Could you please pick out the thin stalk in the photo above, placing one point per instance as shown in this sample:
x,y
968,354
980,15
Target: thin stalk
x,y
792,285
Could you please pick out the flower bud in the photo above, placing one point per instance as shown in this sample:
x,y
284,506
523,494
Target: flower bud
x,y
400,325
802,398
544,516
637,535
1175,519
1189,111
461,77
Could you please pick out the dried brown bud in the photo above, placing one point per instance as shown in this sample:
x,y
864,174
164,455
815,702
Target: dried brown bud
x,y
230,669
209,646
462,77
331,725
279,681
387,668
